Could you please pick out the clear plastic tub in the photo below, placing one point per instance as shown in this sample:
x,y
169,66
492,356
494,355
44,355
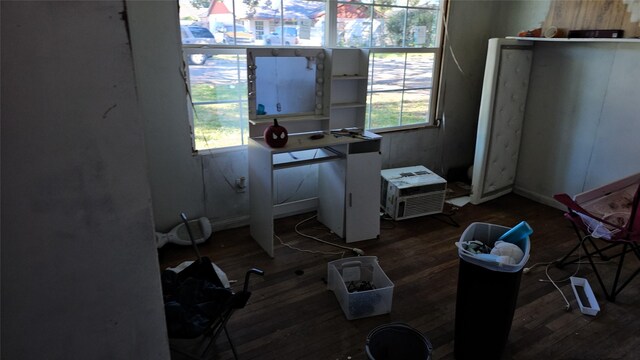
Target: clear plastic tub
x,y
372,291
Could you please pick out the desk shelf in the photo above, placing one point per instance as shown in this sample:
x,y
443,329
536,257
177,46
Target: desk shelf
x,y
287,119
305,157
576,40
348,77
348,105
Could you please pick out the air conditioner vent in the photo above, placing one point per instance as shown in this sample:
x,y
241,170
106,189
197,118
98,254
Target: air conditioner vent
x,y
411,192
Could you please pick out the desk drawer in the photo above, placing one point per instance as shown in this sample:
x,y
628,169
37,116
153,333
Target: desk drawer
x,y
364,147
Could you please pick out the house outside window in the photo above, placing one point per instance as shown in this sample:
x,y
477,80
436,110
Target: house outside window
x,y
403,38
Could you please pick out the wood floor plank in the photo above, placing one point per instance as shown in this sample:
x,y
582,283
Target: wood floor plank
x,y
292,315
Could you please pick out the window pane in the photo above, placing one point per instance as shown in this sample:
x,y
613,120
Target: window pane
x,y
355,26
384,109
419,70
390,74
415,107
222,77
359,1
391,2
392,34
430,4
301,23
263,22
362,25
386,71
220,125
219,94
422,28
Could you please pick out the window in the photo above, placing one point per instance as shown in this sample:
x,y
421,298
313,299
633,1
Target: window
x,y
400,89
403,37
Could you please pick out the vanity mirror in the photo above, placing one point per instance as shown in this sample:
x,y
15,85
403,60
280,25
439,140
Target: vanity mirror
x,y
285,83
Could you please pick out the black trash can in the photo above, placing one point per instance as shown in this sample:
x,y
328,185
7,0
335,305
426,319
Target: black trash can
x,y
397,341
486,297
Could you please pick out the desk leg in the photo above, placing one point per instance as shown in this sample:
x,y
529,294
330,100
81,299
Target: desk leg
x,y
261,196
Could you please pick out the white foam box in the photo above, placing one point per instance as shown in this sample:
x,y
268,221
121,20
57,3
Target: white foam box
x,y
584,295
351,272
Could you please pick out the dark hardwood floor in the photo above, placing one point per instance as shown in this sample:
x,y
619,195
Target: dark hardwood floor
x,y
292,315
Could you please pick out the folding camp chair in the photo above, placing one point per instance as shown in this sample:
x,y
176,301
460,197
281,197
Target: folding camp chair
x,y
611,214
198,304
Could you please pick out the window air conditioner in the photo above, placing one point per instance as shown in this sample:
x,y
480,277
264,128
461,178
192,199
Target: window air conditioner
x,y
412,191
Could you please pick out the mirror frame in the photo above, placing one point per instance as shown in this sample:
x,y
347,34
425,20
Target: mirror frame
x,y
321,59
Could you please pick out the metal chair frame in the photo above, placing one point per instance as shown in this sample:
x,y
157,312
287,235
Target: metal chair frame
x,y
202,268
625,240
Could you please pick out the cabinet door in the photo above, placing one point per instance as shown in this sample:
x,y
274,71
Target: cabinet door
x,y
331,195
362,217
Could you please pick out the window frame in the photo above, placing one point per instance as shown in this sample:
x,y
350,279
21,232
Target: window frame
x,y
188,49
330,41
433,99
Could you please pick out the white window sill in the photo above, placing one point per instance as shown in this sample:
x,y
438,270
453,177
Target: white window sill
x,y
614,40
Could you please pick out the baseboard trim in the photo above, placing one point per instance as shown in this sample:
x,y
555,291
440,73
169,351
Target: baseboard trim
x,y
279,211
543,199
295,207
231,223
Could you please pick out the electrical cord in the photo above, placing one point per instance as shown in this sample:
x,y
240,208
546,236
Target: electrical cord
x,y
546,271
357,251
308,251
554,282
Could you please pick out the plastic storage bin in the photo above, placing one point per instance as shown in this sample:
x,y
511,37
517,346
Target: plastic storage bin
x,y
486,297
372,291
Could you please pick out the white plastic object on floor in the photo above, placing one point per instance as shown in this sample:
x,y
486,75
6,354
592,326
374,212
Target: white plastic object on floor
x,y
200,229
591,308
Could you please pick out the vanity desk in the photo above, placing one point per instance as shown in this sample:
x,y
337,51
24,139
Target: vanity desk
x,y
311,91
348,183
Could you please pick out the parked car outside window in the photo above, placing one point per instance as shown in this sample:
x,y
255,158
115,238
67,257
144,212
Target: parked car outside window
x,y
196,35
290,36
242,35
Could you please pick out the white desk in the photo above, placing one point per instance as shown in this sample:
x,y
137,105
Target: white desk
x,y
348,183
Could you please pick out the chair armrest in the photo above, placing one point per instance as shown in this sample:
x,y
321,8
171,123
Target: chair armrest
x,y
574,207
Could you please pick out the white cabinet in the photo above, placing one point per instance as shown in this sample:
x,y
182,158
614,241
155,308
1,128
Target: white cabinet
x,y
362,218
348,192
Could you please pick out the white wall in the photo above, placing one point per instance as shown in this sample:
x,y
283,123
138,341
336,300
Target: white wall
x,y
581,124
175,174
80,275
470,26
520,15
